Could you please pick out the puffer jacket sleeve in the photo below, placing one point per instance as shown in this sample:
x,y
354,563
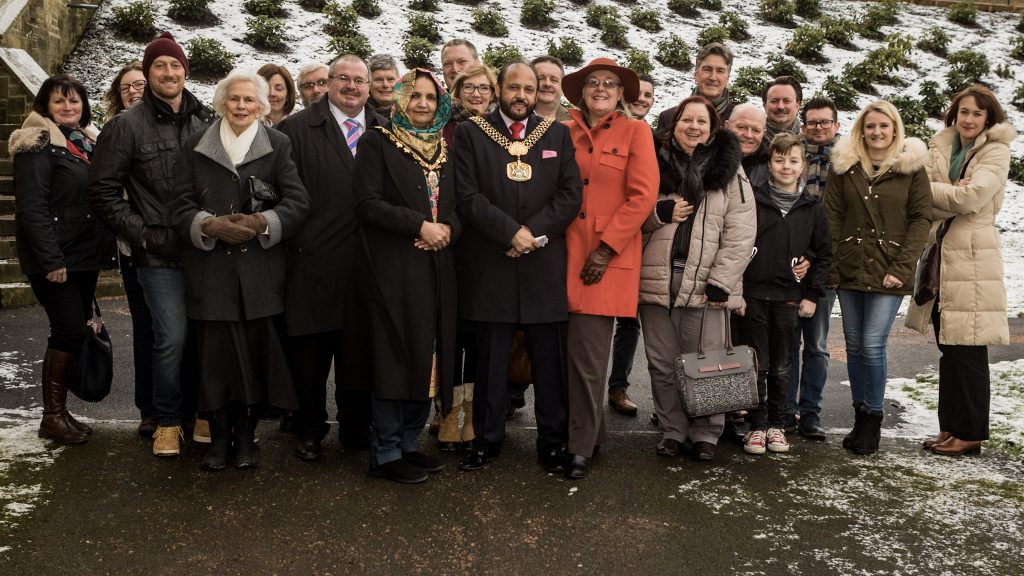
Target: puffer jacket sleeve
x,y
737,237
919,223
111,165
32,175
988,176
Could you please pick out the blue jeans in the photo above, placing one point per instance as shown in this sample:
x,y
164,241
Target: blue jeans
x,y
396,427
809,387
164,289
867,320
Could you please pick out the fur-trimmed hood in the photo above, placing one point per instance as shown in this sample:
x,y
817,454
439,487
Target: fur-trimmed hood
x,y
37,131
1002,133
723,160
913,158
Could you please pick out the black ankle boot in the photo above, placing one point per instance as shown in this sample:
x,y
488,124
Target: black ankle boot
x,y
870,434
858,422
247,453
216,457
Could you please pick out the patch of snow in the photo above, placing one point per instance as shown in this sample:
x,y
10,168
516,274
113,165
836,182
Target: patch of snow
x,y
16,373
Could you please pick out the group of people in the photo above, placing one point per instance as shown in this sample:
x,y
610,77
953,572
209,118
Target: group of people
x,y
422,235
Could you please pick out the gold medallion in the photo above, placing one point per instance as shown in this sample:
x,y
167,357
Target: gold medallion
x,y
517,148
519,171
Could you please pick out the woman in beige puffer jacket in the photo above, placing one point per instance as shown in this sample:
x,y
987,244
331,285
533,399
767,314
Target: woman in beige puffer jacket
x,y
970,160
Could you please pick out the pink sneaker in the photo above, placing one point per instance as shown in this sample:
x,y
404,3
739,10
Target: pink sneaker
x,y
777,440
754,442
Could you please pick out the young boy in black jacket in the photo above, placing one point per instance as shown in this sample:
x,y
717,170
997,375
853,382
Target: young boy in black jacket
x,y
791,227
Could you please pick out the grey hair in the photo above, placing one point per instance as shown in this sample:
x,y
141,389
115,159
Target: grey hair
x,y
381,62
309,69
348,58
220,93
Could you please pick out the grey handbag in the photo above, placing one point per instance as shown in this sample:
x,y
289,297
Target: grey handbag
x,y
717,381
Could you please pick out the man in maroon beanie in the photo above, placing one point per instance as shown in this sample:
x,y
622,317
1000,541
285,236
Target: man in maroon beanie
x,y
131,185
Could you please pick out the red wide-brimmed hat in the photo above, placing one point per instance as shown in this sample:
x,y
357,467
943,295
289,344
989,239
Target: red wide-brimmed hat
x,y
572,84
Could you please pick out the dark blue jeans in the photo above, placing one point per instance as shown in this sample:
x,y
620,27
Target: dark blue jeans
x,y
396,427
767,327
142,337
809,386
867,320
627,333
164,289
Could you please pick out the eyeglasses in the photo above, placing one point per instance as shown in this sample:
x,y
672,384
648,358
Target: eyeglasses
x,y
138,86
606,84
309,85
820,123
347,79
481,88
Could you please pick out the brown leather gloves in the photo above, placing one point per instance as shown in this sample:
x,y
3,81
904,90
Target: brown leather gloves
x,y
597,262
255,222
227,231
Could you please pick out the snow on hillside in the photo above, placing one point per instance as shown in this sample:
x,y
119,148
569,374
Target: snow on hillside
x,y
102,52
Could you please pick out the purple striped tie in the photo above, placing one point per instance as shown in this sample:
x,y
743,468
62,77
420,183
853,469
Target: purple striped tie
x,y
352,134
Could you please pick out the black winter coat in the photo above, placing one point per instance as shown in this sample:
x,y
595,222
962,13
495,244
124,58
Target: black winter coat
x,y
802,232
244,281
54,226
756,165
321,254
493,287
137,153
411,291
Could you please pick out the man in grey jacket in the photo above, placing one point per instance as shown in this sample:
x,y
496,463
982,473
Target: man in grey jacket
x,y
131,185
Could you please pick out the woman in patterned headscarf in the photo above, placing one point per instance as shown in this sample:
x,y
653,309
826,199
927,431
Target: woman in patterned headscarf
x,y
405,200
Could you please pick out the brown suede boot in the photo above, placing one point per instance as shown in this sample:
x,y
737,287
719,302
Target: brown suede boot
x,y
448,435
57,368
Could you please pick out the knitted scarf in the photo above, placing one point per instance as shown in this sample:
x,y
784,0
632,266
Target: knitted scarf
x,y
816,163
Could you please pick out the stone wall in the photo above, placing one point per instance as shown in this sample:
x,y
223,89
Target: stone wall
x,y
47,29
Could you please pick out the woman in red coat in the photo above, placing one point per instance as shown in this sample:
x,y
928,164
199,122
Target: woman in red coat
x,y
619,169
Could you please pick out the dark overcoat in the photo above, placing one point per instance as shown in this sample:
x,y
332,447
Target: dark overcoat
x,y
223,282
320,256
411,291
493,287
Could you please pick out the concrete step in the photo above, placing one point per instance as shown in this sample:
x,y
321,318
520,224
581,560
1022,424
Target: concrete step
x,y
6,130
6,167
10,271
7,185
5,149
15,294
6,224
8,247
6,202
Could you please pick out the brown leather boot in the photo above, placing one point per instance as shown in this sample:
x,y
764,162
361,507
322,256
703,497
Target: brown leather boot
x,y
57,368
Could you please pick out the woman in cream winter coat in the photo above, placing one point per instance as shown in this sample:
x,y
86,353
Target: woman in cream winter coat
x,y
970,160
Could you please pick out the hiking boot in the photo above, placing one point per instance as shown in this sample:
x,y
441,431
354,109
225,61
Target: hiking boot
x,y
201,431
754,442
777,440
167,440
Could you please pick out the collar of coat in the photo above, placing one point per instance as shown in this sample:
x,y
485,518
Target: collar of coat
x,y
211,146
1002,133
726,155
37,131
913,157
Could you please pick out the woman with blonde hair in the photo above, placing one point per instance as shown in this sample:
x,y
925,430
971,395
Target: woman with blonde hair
x,y
878,201
970,161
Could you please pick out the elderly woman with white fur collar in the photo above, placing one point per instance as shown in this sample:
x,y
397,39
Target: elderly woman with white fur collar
x,y
238,195
879,205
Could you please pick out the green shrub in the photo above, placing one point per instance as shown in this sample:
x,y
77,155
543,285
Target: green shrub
x,y
808,9
416,52
966,67
711,4
537,13
712,34
366,8
1005,72
879,14
191,11
685,8
425,5
581,2
736,25
933,100
749,82
913,114
1020,23
489,22
838,30
266,33
1017,48
674,53
777,11
806,43
965,13
779,65
340,21
648,20
1017,169
613,34
136,20
596,14
861,76
269,8
424,26
313,5
207,57
639,61
934,40
356,44
568,51
841,92
497,55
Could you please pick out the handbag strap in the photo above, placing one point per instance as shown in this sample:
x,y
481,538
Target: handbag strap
x,y
728,333
96,309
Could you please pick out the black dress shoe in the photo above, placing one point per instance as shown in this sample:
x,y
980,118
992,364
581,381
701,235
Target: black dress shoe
x,y
668,448
399,471
475,460
810,428
553,460
703,451
288,425
309,449
577,468
423,461
449,446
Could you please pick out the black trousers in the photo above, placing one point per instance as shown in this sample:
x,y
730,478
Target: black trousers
x,y
963,388
627,334
309,360
545,345
768,327
68,307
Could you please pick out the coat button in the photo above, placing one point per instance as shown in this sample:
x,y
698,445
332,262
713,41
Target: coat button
x,y
607,125
591,149
586,181
583,215
234,177
615,150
